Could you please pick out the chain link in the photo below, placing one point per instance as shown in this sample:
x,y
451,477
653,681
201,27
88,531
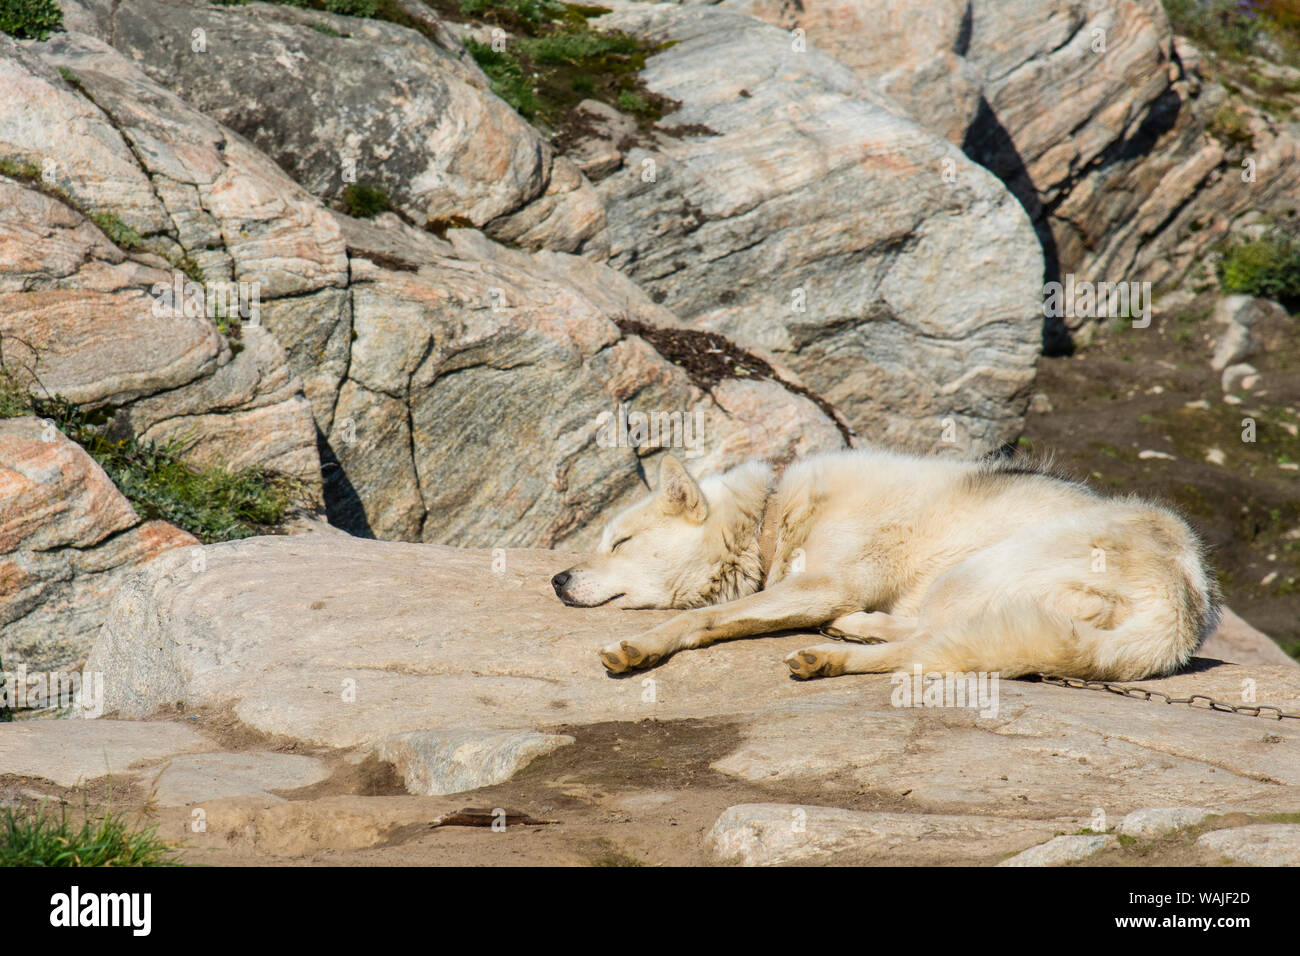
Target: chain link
x,y
1267,711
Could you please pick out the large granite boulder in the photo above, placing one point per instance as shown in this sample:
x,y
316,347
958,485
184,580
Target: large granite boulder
x,y
794,212
479,389
118,197
1092,112
379,103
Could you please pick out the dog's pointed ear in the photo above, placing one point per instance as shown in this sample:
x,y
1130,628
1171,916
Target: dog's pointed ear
x,y
678,492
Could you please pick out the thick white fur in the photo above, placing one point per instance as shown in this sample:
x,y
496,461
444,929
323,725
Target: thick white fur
x,y
950,565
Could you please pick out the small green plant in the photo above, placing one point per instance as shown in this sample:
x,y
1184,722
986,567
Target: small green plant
x,y
630,102
554,60
30,19
364,200
39,838
574,47
353,8
1229,127
1227,27
324,28
119,232
506,76
13,397
17,169
1268,267
212,503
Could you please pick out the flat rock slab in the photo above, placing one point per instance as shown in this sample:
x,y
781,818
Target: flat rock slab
x,y
1261,844
194,778
433,763
1063,849
300,827
459,674
1151,822
769,834
72,752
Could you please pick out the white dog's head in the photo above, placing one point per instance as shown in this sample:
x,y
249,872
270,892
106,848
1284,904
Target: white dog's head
x,y
662,552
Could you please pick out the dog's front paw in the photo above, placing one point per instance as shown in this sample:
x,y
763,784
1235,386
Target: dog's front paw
x,y
820,661
625,656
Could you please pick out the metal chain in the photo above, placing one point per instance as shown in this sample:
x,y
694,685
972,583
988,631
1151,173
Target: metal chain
x,y
1196,700
1266,711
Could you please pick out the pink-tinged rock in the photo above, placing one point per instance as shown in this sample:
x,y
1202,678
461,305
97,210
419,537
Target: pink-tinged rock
x,y
68,538
53,494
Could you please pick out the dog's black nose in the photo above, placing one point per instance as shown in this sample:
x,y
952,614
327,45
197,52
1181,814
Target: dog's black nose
x,y
560,580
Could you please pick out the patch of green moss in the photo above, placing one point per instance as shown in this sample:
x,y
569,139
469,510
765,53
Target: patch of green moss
x,y
365,200
1268,267
30,19
212,503
554,59
119,232
1230,128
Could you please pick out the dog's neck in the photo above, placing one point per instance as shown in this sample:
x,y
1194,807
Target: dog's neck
x,y
768,526
750,536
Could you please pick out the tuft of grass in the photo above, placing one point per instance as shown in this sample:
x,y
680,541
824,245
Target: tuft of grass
x,y
506,75
634,103
30,19
212,503
1268,267
39,838
14,401
578,46
532,11
553,60
365,200
1229,127
119,232
1228,28
20,170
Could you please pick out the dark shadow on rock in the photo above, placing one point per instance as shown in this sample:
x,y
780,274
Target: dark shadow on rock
x,y
988,143
343,506
1198,665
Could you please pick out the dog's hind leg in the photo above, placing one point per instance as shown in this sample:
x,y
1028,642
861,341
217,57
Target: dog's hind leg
x,y
872,627
831,660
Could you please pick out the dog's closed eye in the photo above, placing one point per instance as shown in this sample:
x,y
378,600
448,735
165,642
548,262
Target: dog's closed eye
x,y
615,545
